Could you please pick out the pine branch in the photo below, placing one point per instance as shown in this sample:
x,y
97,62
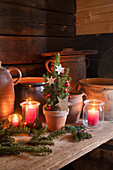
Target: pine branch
x,y
39,132
42,142
57,133
19,148
79,132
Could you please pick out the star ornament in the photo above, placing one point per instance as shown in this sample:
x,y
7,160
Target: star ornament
x,y
50,80
59,69
63,103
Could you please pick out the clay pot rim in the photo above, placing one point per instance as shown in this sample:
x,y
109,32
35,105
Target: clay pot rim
x,y
31,81
89,82
58,113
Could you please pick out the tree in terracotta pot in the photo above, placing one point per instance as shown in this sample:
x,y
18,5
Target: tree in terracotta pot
x,y
56,94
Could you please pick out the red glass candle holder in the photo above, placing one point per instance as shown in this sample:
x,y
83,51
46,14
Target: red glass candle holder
x,y
30,111
93,113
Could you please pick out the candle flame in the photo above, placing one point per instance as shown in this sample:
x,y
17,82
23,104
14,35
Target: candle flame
x,y
29,99
15,119
93,109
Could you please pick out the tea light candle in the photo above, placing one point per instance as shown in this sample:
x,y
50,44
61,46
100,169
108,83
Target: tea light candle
x,y
93,117
30,110
15,119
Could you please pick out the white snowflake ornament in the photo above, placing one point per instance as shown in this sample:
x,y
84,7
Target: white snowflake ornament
x,y
59,69
50,80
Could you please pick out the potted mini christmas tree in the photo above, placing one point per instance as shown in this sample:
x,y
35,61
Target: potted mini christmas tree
x,y
56,94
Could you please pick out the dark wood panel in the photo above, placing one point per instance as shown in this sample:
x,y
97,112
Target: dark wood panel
x,y
37,29
28,21
58,44
17,50
100,42
28,70
55,5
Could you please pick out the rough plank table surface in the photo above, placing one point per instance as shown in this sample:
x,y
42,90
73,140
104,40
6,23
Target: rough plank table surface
x,y
65,151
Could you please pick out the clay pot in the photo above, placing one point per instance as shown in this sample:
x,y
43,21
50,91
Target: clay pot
x,y
7,96
55,119
101,89
76,108
76,64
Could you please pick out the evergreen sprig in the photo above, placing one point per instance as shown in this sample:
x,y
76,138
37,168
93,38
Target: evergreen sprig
x,y
9,146
79,132
22,148
57,133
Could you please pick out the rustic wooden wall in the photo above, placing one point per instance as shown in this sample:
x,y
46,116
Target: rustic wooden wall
x,y
94,17
94,30
28,28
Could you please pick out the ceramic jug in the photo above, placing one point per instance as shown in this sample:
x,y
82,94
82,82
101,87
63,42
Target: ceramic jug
x,y
7,96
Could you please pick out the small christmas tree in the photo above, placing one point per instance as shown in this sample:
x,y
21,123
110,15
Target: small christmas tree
x,y
57,86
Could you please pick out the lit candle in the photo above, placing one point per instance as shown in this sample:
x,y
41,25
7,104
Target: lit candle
x,y
30,110
15,119
30,113
93,117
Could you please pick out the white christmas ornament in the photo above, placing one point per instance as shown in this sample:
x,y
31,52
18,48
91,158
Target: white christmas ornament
x,y
59,69
50,80
63,103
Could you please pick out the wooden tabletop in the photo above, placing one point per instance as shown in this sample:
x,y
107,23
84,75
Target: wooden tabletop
x,y
65,151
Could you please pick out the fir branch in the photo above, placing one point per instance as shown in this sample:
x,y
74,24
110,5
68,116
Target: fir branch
x,y
19,148
3,123
42,142
57,133
12,130
79,132
39,132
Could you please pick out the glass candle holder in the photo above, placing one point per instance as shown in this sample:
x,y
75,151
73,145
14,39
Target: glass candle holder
x,y
30,111
93,113
15,119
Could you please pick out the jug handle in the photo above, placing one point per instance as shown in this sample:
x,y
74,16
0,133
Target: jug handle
x,y
47,63
19,72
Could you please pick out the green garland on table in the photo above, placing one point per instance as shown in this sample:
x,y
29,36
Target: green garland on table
x,y
8,145
79,132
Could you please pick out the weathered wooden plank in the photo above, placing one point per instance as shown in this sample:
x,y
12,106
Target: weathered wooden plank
x,y
28,70
66,6
18,20
94,15
20,50
64,151
82,4
17,50
37,29
94,28
94,11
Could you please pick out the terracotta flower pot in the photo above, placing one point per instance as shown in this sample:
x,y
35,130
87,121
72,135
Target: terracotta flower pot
x,y
55,119
76,108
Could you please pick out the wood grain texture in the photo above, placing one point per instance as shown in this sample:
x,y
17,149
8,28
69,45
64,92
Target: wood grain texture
x,y
94,19
18,20
64,6
19,50
94,3
65,151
